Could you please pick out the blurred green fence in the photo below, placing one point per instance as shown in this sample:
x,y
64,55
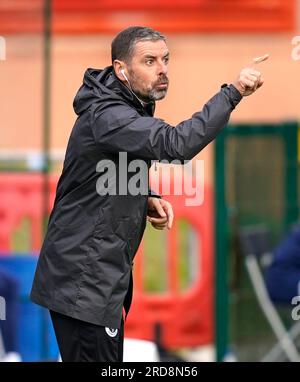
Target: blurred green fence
x,y
256,176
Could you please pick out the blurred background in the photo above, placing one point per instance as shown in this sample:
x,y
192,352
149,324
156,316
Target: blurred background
x,y
195,293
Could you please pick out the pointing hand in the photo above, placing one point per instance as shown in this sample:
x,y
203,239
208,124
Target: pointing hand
x,y
250,78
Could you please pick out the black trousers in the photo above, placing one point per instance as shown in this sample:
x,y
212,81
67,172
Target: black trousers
x,y
80,341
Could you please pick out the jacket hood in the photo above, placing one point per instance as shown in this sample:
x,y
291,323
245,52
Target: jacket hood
x,y
101,85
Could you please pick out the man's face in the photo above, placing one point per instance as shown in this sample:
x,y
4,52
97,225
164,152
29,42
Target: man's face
x,y
147,70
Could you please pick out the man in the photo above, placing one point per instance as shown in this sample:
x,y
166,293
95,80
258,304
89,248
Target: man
x,y
283,274
84,272
9,316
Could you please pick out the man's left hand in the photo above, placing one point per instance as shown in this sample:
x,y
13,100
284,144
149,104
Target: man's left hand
x,y
250,79
160,213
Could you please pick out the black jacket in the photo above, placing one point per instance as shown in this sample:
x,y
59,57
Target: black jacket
x,y
84,268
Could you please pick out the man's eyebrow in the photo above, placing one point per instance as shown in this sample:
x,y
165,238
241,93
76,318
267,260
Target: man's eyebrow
x,y
151,56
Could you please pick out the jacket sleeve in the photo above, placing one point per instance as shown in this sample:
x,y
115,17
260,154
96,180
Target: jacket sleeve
x,y
153,194
119,128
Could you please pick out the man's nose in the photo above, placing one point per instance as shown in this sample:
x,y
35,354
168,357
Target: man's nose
x,y
162,69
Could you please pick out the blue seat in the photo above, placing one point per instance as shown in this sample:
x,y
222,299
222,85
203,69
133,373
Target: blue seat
x,y
36,338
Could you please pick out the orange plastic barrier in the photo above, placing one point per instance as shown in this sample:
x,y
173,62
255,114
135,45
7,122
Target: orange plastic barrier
x,y
186,317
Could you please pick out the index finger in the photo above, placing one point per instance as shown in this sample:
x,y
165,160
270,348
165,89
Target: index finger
x,y
260,59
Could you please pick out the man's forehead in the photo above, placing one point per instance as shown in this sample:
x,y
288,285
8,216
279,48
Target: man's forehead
x,y
151,48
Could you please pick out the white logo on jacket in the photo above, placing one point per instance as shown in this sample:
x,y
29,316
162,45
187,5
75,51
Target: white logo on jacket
x,y
111,332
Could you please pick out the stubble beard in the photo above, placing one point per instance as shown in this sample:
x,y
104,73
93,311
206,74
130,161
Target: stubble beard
x,y
150,94
156,95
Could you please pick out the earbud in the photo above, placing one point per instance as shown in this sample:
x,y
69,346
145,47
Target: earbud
x,y
122,71
124,75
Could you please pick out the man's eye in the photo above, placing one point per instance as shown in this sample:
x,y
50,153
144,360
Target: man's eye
x,y
166,60
149,62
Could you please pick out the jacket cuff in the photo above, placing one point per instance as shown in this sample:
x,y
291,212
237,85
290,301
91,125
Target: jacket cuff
x,y
153,194
232,93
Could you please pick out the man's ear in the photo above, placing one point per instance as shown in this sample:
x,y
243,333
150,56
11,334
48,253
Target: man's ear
x,y
118,66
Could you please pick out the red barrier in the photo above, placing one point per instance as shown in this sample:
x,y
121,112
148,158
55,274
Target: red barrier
x,y
186,317
21,196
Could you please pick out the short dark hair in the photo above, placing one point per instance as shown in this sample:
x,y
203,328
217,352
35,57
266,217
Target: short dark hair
x,y
123,44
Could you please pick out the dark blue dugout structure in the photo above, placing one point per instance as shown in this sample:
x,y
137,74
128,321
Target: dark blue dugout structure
x,y
36,338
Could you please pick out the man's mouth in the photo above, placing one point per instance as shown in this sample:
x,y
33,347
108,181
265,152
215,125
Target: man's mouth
x,y
162,85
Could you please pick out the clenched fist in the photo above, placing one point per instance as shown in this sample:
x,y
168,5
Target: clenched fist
x,y
250,78
160,213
